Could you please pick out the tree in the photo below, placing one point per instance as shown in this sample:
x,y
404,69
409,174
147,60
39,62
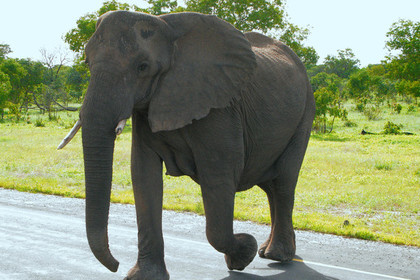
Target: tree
x,y
4,51
411,88
15,72
342,65
327,92
76,80
51,93
160,7
5,88
79,36
324,80
294,36
403,61
245,15
370,86
33,79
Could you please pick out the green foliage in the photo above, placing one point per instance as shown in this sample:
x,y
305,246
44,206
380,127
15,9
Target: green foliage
x,y
77,37
408,88
372,112
294,36
14,110
328,101
392,128
160,7
245,15
15,81
4,51
404,39
411,109
39,122
15,72
76,80
403,61
324,80
366,86
342,65
350,123
24,83
383,166
5,88
396,107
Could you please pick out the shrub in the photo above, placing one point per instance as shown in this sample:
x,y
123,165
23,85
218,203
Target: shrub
x,y
392,128
39,123
372,113
349,123
386,166
397,108
360,107
54,117
411,109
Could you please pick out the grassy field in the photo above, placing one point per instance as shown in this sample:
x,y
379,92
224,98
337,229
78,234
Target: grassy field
x,y
352,185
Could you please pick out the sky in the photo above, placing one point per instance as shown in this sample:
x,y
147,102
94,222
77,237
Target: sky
x,y
29,26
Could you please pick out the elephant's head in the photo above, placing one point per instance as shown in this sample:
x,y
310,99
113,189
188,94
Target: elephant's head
x,y
173,68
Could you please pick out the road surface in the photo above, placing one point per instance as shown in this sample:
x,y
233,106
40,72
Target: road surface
x,y
43,237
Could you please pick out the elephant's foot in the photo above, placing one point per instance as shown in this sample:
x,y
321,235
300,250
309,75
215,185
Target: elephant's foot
x,y
278,250
263,247
244,252
148,271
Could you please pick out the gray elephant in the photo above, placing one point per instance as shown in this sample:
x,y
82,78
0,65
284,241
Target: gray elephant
x,y
228,109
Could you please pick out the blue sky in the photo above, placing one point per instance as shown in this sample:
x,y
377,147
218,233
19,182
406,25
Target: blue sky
x,y
28,25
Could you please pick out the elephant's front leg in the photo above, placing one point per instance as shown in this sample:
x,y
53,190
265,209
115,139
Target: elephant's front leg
x,y
146,169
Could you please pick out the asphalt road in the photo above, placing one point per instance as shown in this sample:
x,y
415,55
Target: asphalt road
x,y
43,237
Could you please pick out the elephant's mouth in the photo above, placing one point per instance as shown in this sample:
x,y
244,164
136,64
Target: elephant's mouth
x,y
144,101
118,130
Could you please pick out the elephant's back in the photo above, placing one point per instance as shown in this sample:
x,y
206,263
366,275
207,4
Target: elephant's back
x,y
280,77
272,106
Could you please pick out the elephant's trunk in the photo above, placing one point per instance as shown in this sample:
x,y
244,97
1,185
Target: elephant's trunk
x,y
98,176
102,115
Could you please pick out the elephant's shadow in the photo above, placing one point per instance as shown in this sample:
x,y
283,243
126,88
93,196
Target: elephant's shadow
x,y
289,271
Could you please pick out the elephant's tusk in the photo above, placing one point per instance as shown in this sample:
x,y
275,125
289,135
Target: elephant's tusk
x,y
120,127
71,134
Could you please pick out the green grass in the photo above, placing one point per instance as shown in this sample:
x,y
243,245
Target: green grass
x,y
352,185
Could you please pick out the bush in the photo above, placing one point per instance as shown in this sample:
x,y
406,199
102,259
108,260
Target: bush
x,y
39,123
411,109
349,123
54,117
397,108
360,107
372,113
392,128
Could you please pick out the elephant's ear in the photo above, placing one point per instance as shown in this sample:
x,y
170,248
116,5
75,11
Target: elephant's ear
x,y
212,62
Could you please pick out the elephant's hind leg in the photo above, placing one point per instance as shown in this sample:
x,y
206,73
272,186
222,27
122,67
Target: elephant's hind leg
x,y
281,245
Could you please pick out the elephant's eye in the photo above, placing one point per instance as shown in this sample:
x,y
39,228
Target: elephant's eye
x,y
142,67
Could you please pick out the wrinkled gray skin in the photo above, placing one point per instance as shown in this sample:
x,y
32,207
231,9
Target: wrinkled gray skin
x,y
227,109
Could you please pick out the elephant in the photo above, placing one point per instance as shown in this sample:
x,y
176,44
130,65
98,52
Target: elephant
x,y
231,110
